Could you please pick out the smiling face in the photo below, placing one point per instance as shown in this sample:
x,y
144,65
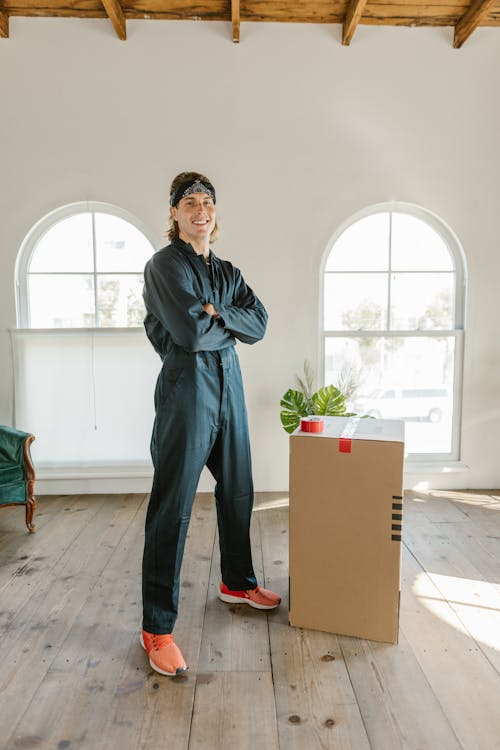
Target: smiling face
x,y
195,216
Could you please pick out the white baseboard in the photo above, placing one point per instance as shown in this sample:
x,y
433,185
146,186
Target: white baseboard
x,y
106,479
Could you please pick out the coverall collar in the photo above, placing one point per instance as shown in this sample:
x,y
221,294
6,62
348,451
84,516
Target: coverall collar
x,y
186,247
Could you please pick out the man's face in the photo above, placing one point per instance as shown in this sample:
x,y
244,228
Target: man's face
x,y
195,215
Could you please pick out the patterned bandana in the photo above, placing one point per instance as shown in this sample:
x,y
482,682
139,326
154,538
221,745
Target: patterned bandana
x,y
190,187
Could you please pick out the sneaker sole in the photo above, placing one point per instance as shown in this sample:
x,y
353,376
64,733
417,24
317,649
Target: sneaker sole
x,y
157,669
240,600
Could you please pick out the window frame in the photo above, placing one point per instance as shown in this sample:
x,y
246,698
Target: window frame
x,y
457,333
31,240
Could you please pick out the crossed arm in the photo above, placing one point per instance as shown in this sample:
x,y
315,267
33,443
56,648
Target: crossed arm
x,y
197,326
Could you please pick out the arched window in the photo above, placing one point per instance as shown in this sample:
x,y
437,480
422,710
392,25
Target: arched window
x,y
393,321
83,367
81,267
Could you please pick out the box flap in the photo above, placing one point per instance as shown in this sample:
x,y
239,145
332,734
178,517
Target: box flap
x,y
356,428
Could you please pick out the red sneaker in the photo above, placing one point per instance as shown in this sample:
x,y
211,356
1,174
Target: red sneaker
x,y
164,655
258,597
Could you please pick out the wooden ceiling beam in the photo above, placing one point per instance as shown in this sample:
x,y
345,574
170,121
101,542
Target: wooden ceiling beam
x,y
4,24
117,17
354,12
471,19
235,18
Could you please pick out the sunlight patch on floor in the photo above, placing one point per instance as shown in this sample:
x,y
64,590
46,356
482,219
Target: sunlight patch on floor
x,y
469,605
278,501
470,498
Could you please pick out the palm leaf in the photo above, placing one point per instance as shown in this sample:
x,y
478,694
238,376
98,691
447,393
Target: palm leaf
x,y
294,406
329,401
289,420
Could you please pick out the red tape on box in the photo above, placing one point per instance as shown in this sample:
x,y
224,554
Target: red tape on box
x,y
312,424
345,445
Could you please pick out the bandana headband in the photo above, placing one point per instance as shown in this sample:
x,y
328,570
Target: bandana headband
x,y
190,187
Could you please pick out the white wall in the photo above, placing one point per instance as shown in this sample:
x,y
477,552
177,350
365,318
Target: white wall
x,y
297,133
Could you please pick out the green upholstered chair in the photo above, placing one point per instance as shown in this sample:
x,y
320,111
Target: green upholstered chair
x,y
17,473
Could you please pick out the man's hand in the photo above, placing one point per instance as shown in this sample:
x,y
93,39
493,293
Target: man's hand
x,y
210,309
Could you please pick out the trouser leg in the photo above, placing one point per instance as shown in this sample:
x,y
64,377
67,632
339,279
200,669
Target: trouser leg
x,y
230,464
184,432
167,522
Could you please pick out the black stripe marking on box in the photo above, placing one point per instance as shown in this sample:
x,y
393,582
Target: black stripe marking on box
x,y
397,506
396,527
396,537
397,497
397,516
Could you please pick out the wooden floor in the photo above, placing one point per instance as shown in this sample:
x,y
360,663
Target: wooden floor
x,y
73,675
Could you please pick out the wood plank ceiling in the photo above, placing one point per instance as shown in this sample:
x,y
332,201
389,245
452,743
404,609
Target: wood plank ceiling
x,y
464,15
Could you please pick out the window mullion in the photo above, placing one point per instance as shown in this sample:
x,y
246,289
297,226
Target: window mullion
x,y
94,256
389,300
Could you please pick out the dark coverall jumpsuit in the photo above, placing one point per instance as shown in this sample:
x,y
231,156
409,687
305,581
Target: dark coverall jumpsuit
x,y
200,419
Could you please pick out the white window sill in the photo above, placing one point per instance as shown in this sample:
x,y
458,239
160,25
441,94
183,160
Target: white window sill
x,y
435,467
124,470
77,330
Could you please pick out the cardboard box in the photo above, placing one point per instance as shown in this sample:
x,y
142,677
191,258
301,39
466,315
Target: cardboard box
x,y
346,488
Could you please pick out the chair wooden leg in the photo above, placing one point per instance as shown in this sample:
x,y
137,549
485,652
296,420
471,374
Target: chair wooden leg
x,y
30,509
29,471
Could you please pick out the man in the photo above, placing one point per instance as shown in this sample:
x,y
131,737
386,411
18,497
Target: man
x,y
197,306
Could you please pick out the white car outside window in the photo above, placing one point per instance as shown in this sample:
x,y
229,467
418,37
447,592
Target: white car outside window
x,y
428,404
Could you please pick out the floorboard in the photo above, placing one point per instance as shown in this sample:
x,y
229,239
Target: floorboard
x,y
235,636
234,710
73,674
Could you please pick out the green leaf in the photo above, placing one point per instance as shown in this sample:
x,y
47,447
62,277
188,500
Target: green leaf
x,y
294,405
295,401
329,401
289,421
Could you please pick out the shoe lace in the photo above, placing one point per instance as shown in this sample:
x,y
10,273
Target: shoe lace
x,y
160,641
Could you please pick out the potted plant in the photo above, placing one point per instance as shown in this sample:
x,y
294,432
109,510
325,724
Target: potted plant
x,y
327,401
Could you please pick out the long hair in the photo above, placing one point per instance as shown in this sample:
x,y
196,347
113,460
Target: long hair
x,y
172,226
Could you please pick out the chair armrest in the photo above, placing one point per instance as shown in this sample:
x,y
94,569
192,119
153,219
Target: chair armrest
x,y
14,446
29,469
